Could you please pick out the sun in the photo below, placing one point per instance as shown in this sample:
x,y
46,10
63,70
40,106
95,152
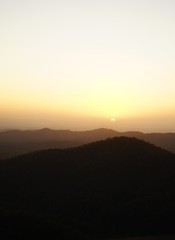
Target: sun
x,y
112,119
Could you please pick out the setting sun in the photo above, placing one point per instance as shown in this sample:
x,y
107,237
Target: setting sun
x,y
112,119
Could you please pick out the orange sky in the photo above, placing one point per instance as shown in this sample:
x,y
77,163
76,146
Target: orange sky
x,y
76,64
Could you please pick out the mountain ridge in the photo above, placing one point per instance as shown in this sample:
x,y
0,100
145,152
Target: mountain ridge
x,y
16,142
110,188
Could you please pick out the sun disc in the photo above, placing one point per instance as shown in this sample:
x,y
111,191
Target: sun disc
x,y
112,119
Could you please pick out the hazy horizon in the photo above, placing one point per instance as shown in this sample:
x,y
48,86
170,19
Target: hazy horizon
x,y
83,65
84,130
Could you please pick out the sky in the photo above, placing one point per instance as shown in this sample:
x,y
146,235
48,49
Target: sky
x,y
78,64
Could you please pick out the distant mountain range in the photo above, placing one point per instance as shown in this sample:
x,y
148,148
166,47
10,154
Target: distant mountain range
x,y
16,142
119,187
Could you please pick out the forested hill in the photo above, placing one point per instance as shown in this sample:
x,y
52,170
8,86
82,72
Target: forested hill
x,y
112,188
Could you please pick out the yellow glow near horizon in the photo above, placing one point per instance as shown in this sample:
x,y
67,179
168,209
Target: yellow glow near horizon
x,y
76,64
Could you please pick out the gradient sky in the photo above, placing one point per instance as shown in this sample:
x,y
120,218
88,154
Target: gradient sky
x,y
83,64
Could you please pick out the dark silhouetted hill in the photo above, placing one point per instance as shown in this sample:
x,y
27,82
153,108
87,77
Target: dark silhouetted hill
x,y
17,225
16,142
118,187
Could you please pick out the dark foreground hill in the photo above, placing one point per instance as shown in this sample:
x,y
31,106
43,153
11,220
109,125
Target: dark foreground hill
x,y
16,142
119,187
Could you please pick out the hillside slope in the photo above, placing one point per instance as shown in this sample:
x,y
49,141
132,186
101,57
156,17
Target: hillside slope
x,y
16,142
117,187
